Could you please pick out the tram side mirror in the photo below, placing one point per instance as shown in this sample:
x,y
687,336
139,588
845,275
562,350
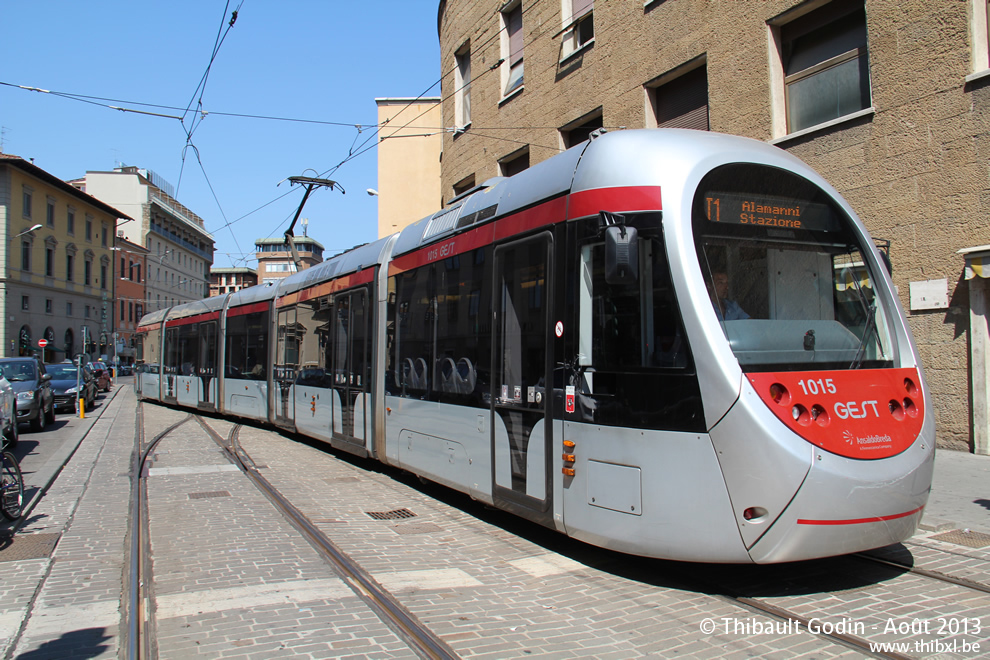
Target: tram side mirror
x,y
621,250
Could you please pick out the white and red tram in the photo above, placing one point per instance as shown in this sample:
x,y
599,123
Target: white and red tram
x,y
669,343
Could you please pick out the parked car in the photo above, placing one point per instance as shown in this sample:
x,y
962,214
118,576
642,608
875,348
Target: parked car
x,y
69,385
102,375
30,380
126,370
8,412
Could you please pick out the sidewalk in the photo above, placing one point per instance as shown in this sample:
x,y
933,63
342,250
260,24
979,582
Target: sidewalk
x,y
960,496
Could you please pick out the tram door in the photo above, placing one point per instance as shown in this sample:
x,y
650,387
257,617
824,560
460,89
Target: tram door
x,y
351,364
207,363
170,365
286,367
520,370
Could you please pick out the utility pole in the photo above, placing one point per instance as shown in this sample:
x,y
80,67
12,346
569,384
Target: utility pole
x,y
311,183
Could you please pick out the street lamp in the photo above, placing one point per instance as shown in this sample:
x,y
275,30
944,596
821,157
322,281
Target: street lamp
x,y
27,231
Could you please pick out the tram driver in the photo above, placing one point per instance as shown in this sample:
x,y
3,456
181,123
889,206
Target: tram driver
x,y
726,308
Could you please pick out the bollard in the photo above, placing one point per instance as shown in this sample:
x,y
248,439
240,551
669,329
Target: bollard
x,y
82,409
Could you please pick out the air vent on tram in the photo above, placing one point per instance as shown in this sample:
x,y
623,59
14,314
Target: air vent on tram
x,y
442,223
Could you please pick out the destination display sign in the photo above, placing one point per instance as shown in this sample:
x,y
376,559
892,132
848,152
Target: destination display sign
x,y
769,211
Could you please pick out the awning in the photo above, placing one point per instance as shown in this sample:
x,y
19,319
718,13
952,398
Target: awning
x,y
977,261
853,278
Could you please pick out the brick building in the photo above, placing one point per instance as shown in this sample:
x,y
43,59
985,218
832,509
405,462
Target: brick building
x,y
229,280
890,101
275,257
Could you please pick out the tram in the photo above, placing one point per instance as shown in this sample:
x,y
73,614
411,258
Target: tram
x,y
664,342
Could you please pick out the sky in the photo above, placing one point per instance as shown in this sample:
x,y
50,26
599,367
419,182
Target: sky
x,y
319,61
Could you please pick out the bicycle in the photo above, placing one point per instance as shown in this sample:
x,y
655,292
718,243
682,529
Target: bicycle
x,y
11,486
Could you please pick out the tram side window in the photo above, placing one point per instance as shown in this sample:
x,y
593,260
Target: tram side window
x,y
247,346
313,318
463,294
631,326
414,330
188,349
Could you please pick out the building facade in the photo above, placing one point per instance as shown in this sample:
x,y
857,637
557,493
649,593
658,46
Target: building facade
x,y
890,101
410,139
229,280
180,250
275,258
131,262
56,264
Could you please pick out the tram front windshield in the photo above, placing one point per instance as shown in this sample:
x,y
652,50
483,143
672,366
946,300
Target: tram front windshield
x,y
785,273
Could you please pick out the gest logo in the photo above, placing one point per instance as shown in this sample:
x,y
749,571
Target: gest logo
x,y
855,409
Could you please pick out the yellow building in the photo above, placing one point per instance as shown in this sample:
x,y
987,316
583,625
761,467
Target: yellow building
x,y
410,138
56,263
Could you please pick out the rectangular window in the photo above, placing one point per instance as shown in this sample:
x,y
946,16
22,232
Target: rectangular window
x,y
25,303
50,213
103,234
512,49
70,222
87,272
86,311
103,276
49,262
70,267
26,255
130,312
462,88
515,162
26,200
580,130
680,100
89,228
49,306
579,26
121,310
68,309
463,185
123,271
825,63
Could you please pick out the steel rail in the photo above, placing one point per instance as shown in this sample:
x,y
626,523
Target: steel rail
x,y
420,638
139,646
924,572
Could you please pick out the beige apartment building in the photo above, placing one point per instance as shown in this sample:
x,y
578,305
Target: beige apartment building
x,y
56,265
888,99
410,137
180,250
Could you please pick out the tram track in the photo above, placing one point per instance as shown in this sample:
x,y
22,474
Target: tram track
x,y
743,590
419,637
140,612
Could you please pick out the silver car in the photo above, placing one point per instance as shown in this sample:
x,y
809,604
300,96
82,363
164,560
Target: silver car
x,y
8,412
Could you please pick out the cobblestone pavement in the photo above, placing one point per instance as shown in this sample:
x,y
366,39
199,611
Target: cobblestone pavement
x,y
232,578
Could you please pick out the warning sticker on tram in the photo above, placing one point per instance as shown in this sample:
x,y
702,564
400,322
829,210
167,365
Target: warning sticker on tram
x,y
769,211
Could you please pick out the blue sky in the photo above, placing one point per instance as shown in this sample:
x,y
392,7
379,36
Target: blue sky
x,y
320,61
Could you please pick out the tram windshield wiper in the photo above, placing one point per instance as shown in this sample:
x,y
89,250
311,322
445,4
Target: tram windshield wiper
x,y
868,333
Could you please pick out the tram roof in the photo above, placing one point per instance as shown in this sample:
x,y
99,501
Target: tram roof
x,y
258,293
499,196
352,261
192,308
